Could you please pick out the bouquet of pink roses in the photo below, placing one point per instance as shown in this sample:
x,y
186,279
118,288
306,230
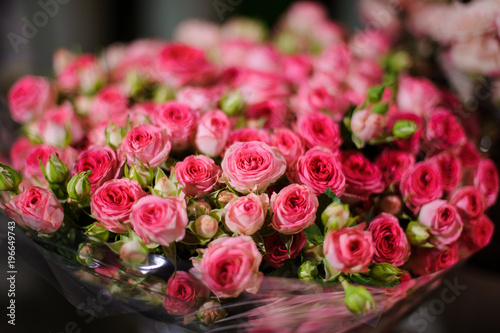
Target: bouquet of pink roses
x,y
302,169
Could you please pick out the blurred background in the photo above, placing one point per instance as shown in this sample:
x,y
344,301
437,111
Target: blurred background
x,y
90,25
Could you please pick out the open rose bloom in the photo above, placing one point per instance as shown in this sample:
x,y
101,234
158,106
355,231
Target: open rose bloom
x,y
232,182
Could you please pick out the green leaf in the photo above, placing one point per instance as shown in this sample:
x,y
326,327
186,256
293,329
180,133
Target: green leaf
x,y
369,281
329,193
381,108
375,93
314,235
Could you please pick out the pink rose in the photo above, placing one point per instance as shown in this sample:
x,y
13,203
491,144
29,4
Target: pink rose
x,y
247,134
198,33
469,202
429,260
318,129
159,220
349,250
29,97
412,142
212,133
184,293
256,86
252,166
83,73
41,153
363,178
19,151
230,265
36,208
319,170
198,175
477,233
146,143
486,180
200,98
367,125
277,252
477,56
370,43
417,95
288,143
112,203
443,219
109,103
298,68
101,160
450,169
392,164
469,156
421,184
443,130
273,111
294,209
246,215
389,240
60,126
179,119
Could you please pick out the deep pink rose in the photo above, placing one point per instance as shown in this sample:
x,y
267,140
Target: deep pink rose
x,y
450,169
288,143
417,95
429,260
297,68
477,233
146,143
421,184
469,156
389,240
362,176
252,166
198,175
257,86
184,293
469,202
112,203
277,252
349,250
412,142
179,119
294,209
212,133
36,208
392,164
246,215
29,97
486,180
230,265
318,129
109,103
273,111
159,220
60,126
443,219
101,160
443,130
320,170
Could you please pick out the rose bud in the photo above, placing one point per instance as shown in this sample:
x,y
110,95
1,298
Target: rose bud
x,y
389,240
78,187
418,234
198,207
225,196
210,312
206,226
358,300
349,250
246,215
406,128
425,261
469,202
308,271
89,253
114,134
212,133
140,173
385,273
97,233
367,125
486,180
198,175
36,208
443,220
335,216
277,251
183,293
391,204
294,209
232,103
134,253
54,170
9,178
164,187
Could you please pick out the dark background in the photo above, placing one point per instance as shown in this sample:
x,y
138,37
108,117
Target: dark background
x,y
90,25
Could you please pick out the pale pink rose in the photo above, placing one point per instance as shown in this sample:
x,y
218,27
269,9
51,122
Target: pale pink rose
x,y
32,169
349,250
469,202
327,33
247,134
252,166
180,121
246,215
184,293
421,184
417,95
274,112
294,209
198,33
110,102
288,143
480,55
382,15
36,208
367,125
443,219
112,203
486,180
97,135
61,59
29,97
450,168
101,160
159,220
370,43
230,265
320,170
146,143
83,73
335,61
60,126
302,17
318,129
200,98
389,240
212,133
198,174
19,151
